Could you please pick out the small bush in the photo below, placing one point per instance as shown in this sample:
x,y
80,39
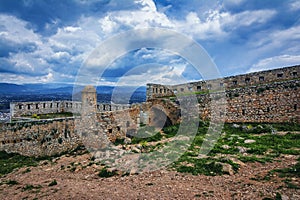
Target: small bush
x,y
104,173
11,182
54,182
119,141
31,187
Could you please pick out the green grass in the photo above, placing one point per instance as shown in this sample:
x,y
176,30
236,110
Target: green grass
x,y
291,185
293,171
146,134
271,143
266,148
206,166
50,115
171,131
11,161
255,159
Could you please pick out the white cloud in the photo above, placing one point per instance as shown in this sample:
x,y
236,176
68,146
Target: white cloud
x,y
71,45
78,40
71,29
159,55
148,5
47,78
23,78
213,24
198,29
28,64
286,39
15,31
294,5
275,62
248,18
154,73
108,25
61,55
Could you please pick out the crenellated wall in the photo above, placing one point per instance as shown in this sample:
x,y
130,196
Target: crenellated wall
x,y
244,80
274,102
247,98
54,136
18,109
268,96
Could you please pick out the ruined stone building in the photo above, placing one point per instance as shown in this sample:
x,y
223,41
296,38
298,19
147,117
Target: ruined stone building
x,y
268,96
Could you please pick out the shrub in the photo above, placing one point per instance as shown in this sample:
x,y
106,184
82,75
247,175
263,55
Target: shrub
x,y
54,182
105,173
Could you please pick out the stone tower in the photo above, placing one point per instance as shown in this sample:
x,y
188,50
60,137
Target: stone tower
x,y
89,101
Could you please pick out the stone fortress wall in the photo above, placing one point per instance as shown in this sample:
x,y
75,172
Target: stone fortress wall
x,y
48,137
18,109
39,137
269,96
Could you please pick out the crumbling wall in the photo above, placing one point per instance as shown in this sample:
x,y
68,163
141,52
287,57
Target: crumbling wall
x,y
268,96
158,90
19,109
274,102
273,99
39,138
239,81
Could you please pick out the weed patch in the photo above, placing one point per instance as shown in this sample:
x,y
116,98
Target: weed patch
x,y
31,187
11,161
54,182
105,173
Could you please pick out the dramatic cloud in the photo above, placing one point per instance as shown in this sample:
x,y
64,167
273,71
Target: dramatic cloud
x,y
276,62
48,42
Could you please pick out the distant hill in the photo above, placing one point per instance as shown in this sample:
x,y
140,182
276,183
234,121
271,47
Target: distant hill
x,y
11,88
48,92
8,88
35,89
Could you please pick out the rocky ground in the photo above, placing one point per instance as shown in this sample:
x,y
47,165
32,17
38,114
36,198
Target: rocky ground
x,y
76,177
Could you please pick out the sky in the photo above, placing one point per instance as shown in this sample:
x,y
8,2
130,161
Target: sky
x,y
49,41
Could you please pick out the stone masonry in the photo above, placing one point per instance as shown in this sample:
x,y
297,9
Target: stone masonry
x,y
268,96
54,136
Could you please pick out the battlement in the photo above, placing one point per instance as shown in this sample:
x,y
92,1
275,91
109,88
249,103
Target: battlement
x,y
268,96
18,109
231,82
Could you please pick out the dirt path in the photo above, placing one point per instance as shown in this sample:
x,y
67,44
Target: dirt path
x,y
77,179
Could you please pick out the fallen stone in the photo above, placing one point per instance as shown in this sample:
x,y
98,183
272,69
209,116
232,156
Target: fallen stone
x,y
284,197
200,156
112,169
225,146
226,168
249,141
127,140
139,146
242,149
133,171
135,150
235,125
237,161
